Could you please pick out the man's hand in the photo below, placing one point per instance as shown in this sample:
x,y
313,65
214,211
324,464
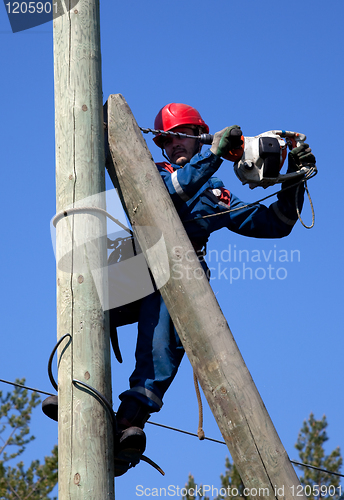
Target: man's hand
x,y
300,156
226,140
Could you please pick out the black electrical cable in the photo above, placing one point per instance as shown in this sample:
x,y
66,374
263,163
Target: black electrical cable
x,y
102,398
316,468
253,203
167,426
50,372
222,442
26,387
184,432
114,422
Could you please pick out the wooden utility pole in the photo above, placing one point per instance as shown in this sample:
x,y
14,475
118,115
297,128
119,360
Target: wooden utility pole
x,y
226,382
85,429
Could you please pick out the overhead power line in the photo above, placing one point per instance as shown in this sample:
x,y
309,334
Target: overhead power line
x,y
222,442
175,429
26,387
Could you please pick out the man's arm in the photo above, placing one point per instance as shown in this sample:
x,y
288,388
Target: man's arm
x,y
184,183
259,221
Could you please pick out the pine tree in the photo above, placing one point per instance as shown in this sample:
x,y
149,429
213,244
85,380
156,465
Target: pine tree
x,y
193,491
310,444
16,483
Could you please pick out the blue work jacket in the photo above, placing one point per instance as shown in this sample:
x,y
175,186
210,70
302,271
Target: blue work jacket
x,y
195,193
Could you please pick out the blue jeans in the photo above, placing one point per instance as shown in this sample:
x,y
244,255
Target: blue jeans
x,y
158,354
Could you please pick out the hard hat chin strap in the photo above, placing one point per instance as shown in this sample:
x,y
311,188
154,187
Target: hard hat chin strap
x,y
165,155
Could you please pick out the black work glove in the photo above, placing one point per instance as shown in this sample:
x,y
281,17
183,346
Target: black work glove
x,y
297,158
226,140
302,155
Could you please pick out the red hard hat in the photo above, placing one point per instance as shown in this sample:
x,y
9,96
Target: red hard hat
x,y
176,115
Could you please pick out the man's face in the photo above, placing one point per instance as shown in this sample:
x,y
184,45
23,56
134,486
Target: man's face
x,y
180,150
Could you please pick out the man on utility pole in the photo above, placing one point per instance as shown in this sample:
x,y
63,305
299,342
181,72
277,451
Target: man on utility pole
x,y
204,206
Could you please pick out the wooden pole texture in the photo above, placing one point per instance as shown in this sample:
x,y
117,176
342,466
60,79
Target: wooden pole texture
x,y
226,382
85,428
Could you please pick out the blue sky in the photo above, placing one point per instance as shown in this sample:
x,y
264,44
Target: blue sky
x,y
262,65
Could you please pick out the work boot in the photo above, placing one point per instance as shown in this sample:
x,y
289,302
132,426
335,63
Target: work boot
x,y
130,442
132,413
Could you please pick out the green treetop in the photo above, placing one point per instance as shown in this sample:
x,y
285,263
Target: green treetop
x,y
310,444
16,483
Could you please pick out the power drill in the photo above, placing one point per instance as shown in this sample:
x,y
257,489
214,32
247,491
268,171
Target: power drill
x,y
260,158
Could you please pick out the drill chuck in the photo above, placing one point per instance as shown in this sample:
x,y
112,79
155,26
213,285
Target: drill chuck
x,y
206,138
